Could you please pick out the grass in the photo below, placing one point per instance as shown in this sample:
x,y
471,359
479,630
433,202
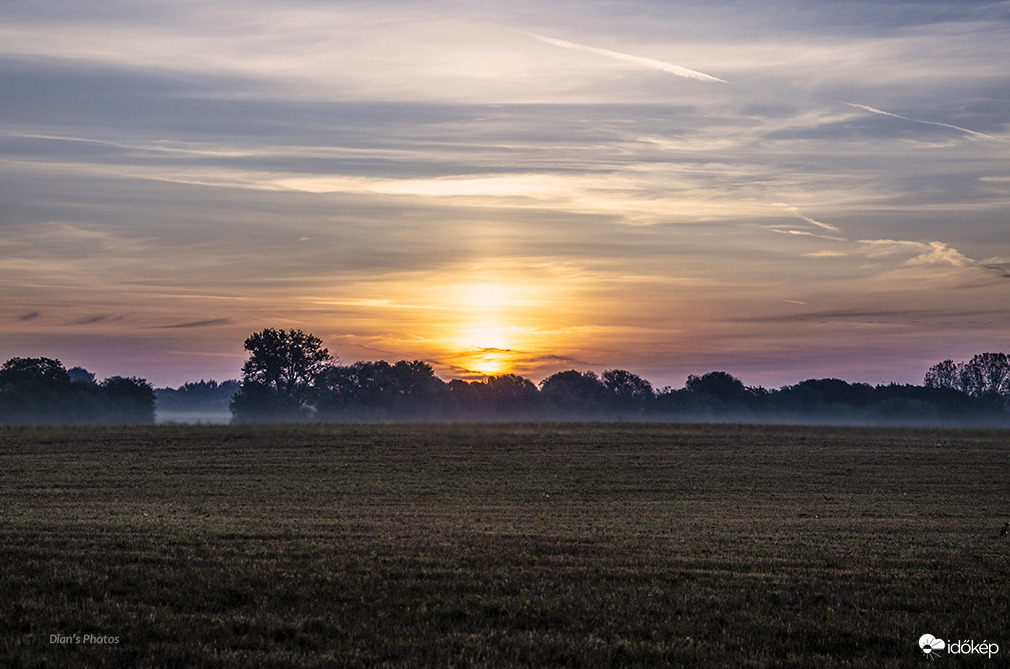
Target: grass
x,y
499,545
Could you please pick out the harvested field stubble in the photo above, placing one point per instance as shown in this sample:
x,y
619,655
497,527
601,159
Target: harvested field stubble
x,y
499,544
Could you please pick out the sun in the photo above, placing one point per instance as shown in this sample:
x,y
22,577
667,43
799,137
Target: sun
x,y
488,362
476,321
484,340
485,349
484,346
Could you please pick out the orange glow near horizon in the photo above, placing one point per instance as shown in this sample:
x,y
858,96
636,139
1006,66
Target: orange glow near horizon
x,y
478,323
482,341
470,323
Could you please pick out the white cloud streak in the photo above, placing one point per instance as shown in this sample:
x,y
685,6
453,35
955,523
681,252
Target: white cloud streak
x,y
649,63
934,253
795,212
874,110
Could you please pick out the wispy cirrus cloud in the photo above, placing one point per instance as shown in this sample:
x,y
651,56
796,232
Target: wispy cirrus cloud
x,y
924,254
98,318
929,254
197,324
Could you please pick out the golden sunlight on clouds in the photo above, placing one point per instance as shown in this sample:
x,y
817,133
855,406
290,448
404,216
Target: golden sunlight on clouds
x,y
474,323
485,361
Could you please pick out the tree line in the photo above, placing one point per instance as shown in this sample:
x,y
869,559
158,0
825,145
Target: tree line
x,y
289,376
37,391
985,376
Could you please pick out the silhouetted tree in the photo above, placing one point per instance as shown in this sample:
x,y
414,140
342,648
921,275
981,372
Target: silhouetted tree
x,y
88,400
35,390
80,375
720,386
946,374
278,379
986,375
419,391
716,384
718,396
905,404
629,393
507,396
379,390
357,387
128,401
40,390
462,399
575,393
824,398
34,373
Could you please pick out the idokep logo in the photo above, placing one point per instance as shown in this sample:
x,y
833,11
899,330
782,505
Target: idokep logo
x,y
930,645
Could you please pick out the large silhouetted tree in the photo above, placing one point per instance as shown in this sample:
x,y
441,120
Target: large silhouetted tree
x,y
279,378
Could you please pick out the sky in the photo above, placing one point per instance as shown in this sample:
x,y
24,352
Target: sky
x,y
782,190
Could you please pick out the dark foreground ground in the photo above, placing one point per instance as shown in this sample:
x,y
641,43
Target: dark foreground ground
x,y
501,545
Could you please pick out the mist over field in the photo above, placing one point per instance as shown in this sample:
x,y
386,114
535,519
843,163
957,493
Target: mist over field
x,y
193,417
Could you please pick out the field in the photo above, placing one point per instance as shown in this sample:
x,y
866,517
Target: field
x,y
501,545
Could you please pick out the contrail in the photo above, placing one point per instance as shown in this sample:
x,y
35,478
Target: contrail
x,y
628,58
796,212
874,110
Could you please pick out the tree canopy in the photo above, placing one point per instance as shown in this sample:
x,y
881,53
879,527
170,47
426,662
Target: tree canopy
x,y
404,390
279,378
986,375
42,391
